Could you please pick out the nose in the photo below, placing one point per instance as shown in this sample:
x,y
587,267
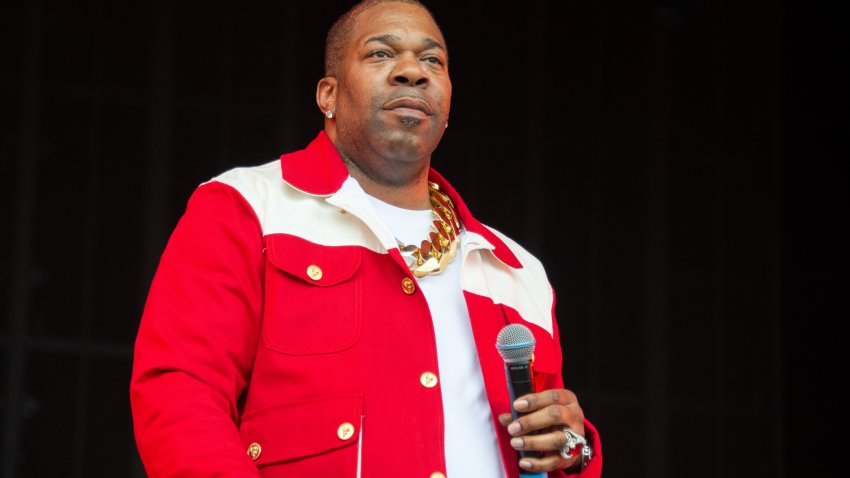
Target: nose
x,y
408,72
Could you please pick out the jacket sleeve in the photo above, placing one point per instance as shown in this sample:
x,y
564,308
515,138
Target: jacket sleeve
x,y
594,467
197,338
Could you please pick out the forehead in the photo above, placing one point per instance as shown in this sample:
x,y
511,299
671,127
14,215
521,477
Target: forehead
x,y
400,19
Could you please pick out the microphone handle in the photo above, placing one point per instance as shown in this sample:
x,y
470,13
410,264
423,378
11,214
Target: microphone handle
x,y
520,382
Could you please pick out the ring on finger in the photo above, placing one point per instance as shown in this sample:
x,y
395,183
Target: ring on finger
x,y
572,440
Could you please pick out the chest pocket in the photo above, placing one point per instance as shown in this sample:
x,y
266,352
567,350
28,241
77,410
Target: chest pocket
x,y
313,296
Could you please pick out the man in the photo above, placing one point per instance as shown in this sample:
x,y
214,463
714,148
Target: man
x,y
335,313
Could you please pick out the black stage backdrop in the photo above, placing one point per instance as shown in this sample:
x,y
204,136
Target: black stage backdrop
x,y
674,163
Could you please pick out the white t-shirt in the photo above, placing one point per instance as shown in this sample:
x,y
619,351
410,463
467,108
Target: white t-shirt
x,y
472,449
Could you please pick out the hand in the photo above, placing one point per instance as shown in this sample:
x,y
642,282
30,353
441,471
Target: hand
x,y
547,412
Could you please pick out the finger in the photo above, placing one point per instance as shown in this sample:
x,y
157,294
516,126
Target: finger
x,y
554,440
547,463
505,419
536,401
551,416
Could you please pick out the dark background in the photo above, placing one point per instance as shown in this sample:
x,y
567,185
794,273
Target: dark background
x,y
679,166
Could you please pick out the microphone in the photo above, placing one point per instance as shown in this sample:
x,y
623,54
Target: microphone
x,y
515,344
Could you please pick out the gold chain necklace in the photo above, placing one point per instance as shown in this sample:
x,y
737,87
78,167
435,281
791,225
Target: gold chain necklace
x,y
435,252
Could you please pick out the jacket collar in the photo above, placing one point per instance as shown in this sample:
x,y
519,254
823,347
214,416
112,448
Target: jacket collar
x,y
319,170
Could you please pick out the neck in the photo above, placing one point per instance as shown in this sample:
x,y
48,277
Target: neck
x,y
396,174
411,194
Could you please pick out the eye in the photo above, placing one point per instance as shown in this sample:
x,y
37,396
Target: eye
x,y
379,54
433,59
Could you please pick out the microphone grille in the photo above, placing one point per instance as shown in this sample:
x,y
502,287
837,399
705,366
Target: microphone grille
x,y
515,343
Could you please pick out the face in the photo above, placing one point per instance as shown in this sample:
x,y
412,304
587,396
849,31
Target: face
x,y
392,94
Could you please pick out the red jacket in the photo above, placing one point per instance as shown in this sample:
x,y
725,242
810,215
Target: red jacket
x,y
282,321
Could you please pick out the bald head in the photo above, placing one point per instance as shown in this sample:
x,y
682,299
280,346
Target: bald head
x,y
340,33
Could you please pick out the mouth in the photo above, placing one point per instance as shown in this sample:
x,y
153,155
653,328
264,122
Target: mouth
x,y
409,106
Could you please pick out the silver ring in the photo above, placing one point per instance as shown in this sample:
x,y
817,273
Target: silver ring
x,y
573,440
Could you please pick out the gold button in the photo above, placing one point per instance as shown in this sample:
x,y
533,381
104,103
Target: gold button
x,y
254,450
314,272
408,286
437,474
428,380
345,431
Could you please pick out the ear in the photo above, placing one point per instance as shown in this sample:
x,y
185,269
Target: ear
x,y
326,94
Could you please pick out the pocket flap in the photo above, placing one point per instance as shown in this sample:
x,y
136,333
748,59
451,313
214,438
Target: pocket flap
x,y
313,263
302,429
